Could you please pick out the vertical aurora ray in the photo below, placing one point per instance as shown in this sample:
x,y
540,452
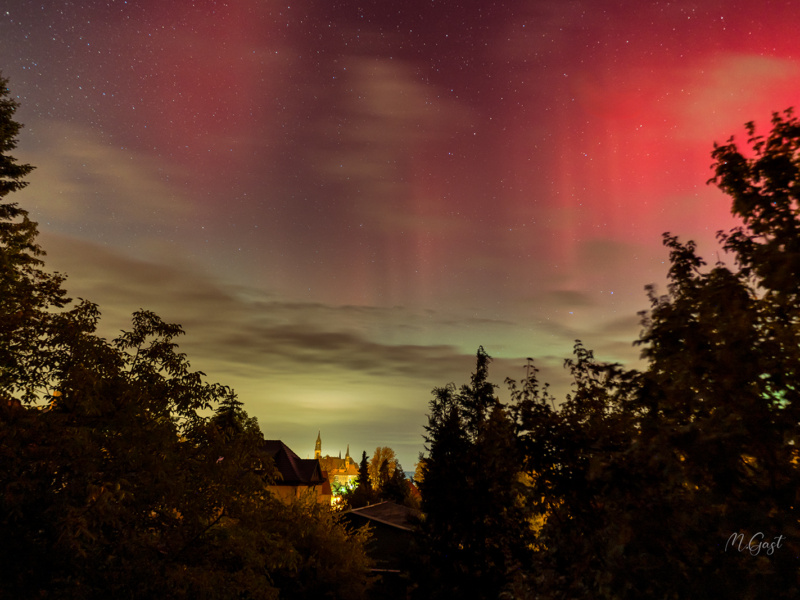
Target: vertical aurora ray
x,y
397,181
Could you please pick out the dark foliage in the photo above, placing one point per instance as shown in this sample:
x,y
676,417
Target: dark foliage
x,y
677,481
115,479
474,533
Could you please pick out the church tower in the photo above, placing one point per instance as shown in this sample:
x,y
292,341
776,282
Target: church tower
x,y
318,447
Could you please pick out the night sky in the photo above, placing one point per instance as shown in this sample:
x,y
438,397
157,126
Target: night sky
x,y
340,201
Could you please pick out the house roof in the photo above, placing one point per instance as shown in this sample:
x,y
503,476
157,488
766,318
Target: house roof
x,y
388,513
293,469
326,485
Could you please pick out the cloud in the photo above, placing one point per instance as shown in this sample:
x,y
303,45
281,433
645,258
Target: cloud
x,y
302,366
252,328
568,298
83,183
291,363
729,90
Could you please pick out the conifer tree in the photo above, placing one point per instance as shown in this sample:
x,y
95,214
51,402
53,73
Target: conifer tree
x,y
363,472
362,494
28,294
396,487
474,530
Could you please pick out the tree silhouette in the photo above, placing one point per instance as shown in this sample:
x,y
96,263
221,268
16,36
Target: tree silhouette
x,y
115,481
29,296
362,493
474,532
382,467
678,480
667,464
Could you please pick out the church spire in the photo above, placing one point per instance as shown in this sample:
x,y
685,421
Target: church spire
x,y
318,447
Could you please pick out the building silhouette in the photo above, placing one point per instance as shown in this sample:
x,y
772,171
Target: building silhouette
x,y
299,477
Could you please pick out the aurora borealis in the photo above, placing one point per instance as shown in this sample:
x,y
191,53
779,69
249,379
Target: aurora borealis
x,y
341,200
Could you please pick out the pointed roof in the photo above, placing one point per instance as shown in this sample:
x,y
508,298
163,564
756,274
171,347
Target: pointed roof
x,y
293,469
326,485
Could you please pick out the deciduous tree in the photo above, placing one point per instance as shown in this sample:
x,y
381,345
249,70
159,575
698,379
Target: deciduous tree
x,y
669,462
381,467
638,481
123,473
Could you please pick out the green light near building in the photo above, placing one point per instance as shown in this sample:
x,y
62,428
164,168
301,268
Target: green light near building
x,y
778,398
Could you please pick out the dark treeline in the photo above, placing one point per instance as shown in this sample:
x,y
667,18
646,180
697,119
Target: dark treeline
x,y
680,480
